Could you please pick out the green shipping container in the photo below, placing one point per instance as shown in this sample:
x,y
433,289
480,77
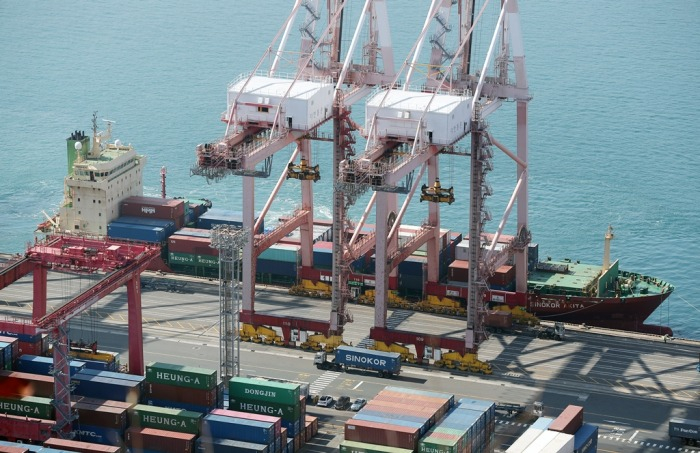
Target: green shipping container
x,y
286,253
186,259
347,446
436,445
283,393
181,376
181,421
207,261
30,406
285,412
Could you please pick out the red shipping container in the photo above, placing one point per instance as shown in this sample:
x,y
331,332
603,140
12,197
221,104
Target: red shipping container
x,y
101,415
8,449
39,347
174,393
83,447
312,424
250,416
14,345
15,383
458,271
190,244
98,402
14,427
503,276
382,434
569,421
160,440
155,208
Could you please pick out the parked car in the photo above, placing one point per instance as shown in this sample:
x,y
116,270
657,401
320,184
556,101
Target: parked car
x,y
358,404
343,403
325,401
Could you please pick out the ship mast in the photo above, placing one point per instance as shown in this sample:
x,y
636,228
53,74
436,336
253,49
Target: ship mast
x,y
606,253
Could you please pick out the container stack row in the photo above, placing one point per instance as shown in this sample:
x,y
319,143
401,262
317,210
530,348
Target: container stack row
x,y
565,434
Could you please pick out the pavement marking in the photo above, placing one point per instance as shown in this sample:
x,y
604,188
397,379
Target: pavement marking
x,y
323,381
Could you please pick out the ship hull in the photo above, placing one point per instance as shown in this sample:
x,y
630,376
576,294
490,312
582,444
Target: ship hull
x,y
628,313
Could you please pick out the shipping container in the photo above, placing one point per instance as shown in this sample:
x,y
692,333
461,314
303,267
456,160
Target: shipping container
x,y
280,393
181,375
569,421
76,445
586,439
276,421
348,446
246,430
552,442
12,447
85,432
13,343
525,439
382,434
29,406
27,429
384,362
158,439
284,253
101,415
153,207
141,380
207,445
25,384
684,428
446,398
140,233
106,388
167,225
217,216
277,268
542,423
28,363
176,393
177,405
182,421
194,232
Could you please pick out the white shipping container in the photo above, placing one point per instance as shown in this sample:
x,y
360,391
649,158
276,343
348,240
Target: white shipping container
x,y
537,445
522,442
562,443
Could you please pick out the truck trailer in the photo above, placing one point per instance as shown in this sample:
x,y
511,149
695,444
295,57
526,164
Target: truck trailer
x,y
686,430
385,363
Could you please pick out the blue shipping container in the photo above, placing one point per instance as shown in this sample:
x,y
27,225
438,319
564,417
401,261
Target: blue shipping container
x,y
209,445
276,268
35,364
368,359
98,434
586,439
254,431
133,232
106,388
165,224
100,365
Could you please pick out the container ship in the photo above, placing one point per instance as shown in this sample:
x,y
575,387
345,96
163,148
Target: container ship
x,y
565,290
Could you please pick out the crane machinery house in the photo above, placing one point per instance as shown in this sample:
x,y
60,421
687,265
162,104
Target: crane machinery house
x,y
398,113
303,104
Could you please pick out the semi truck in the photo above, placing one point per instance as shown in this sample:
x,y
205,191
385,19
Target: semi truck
x,y
686,430
387,364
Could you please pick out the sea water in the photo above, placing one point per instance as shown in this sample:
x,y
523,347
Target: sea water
x,y
612,122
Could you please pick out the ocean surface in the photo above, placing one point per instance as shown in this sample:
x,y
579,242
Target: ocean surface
x,y
612,123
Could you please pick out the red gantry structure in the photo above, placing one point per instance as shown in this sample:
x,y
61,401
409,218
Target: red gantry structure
x,y
122,263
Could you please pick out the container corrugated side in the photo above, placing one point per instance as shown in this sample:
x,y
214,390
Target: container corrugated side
x,y
183,376
30,406
525,439
159,439
76,445
586,439
208,445
281,393
569,421
446,397
246,430
282,252
144,416
562,443
106,388
276,421
348,446
28,363
200,397
97,434
101,415
382,434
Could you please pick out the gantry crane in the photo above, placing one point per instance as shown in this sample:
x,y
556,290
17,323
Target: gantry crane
x,y
122,264
408,127
260,122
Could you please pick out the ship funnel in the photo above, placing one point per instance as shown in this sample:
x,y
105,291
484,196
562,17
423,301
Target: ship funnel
x,y
606,253
77,147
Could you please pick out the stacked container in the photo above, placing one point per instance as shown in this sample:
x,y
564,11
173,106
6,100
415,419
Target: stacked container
x,y
100,421
17,383
9,351
35,364
74,445
158,440
27,406
108,387
278,264
278,399
181,387
155,208
397,418
141,229
468,427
